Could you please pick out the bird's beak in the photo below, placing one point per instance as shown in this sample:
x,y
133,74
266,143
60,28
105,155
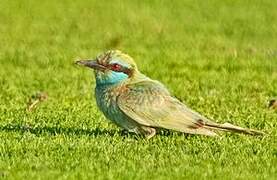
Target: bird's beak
x,y
91,64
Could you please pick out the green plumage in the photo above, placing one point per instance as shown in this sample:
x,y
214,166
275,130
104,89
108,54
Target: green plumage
x,y
139,104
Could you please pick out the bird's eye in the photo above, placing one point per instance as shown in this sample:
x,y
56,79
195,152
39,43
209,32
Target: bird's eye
x,y
116,67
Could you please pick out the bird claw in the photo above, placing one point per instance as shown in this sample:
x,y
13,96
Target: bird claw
x,y
151,134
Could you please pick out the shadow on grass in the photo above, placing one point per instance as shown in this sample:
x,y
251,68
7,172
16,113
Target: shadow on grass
x,y
55,130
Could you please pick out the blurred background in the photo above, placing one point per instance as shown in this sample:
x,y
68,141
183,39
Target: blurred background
x,y
42,39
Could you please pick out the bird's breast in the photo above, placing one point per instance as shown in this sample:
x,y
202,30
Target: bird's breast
x,y
106,99
107,96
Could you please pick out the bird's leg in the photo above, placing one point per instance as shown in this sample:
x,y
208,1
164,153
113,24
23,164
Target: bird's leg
x,y
147,132
151,134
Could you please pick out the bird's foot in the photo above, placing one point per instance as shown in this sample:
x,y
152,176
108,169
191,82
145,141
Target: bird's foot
x,y
150,133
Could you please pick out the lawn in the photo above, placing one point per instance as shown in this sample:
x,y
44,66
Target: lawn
x,y
219,57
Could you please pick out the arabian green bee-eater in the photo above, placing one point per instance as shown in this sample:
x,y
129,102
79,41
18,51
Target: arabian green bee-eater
x,y
141,105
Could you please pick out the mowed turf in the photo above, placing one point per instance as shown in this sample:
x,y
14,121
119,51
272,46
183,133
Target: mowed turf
x,y
220,57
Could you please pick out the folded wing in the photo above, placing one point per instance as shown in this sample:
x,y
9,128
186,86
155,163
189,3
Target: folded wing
x,y
150,104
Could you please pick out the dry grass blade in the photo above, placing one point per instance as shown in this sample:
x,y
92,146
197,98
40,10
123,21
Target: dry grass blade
x,y
35,100
272,104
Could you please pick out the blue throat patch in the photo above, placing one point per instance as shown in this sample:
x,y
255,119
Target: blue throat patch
x,y
110,78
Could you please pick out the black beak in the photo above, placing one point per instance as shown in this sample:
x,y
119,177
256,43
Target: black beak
x,y
91,64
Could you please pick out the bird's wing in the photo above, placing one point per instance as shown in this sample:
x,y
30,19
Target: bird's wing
x,y
150,104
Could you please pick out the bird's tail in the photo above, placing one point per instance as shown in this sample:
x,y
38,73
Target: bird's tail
x,y
232,128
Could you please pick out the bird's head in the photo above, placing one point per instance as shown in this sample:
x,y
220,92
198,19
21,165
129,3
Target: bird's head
x,y
111,67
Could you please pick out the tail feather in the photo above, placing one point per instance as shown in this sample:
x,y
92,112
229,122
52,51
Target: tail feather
x,y
232,128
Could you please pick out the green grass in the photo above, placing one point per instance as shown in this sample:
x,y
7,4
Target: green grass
x,y
220,57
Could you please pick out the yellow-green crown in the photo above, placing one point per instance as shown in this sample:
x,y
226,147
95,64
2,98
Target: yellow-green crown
x,y
116,56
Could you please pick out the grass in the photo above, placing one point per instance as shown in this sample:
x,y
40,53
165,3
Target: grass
x,y
220,57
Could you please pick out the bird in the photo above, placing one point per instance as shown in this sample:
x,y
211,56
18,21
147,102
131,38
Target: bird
x,y
141,105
